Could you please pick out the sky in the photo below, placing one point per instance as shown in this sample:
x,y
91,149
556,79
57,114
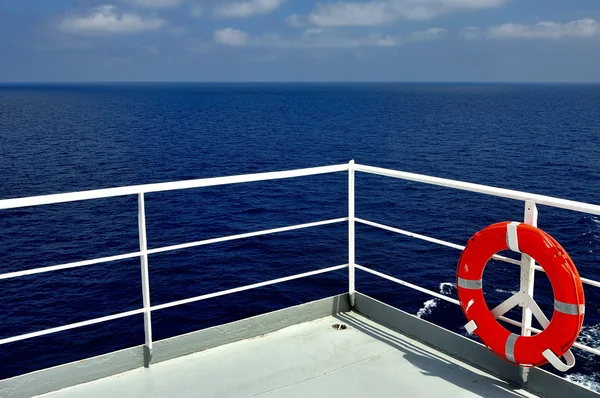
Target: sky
x,y
299,40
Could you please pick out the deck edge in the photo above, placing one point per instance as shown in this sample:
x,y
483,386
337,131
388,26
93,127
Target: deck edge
x,y
111,364
540,382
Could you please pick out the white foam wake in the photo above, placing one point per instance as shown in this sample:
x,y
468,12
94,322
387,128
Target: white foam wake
x,y
447,289
505,291
590,335
429,305
586,381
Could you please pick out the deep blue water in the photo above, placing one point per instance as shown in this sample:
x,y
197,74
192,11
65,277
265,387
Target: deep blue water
x,y
62,138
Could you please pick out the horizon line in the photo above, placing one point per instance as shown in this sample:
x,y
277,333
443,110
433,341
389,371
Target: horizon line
x,y
299,82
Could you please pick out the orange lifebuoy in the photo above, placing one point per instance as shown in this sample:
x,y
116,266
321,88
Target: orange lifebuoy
x,y
569,303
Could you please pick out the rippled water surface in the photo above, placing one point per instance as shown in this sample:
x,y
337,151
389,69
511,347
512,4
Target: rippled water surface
x,y
542,139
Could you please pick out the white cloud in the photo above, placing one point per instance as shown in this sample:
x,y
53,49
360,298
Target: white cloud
x,y
196,11
382,12
247,8
155,3
344,42
470,33
107,20
429,34
295,20
322,39
352,14
314,31
546,30
231,37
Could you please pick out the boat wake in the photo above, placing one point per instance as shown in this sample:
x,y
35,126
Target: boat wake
x,y
447,289
586,380
428,307
590,336
498,290
587,376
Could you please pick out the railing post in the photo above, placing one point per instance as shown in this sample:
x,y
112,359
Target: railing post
x,y
527,280
145,280
351,242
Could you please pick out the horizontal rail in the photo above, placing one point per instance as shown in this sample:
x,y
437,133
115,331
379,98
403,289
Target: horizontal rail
x,y
246,235
247,287
76,264
511,321
410,234
165,186
83,263
167,305
454,301
407,284
484,189
428,239
71,326
586,348
578,345
427,291
586,281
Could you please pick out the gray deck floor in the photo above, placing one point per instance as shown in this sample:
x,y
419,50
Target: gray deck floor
x,y
307,360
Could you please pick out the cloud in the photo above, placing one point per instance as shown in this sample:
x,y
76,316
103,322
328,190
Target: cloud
x,y
196,11
231,37
247,8
429,34
323,38
333,40
546,30
107,20
383,12
352,14
155,3
471,33
295,20
314,31
310,39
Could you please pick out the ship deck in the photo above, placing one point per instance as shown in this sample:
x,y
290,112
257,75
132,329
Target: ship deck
x,y
310,359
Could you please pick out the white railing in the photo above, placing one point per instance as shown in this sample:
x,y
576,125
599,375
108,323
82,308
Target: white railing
x,y
144,252
530,200
527,274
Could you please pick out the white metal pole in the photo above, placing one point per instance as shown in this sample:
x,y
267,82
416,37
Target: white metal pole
x,y
145,280
351,241
527,280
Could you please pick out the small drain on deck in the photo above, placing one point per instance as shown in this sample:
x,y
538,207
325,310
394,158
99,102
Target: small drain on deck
x,y
338,326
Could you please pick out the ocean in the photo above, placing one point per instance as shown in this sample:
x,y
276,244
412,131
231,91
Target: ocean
x,y
62,138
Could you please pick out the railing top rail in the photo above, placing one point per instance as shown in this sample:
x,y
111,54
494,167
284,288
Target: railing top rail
x,y
165,186
484,189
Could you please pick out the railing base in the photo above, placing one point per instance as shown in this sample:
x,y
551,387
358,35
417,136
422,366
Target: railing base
x,y
147,355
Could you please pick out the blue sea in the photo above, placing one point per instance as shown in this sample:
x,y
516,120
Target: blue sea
x,y
62,138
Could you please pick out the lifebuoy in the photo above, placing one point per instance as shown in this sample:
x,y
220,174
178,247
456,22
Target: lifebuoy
x,y
569,304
